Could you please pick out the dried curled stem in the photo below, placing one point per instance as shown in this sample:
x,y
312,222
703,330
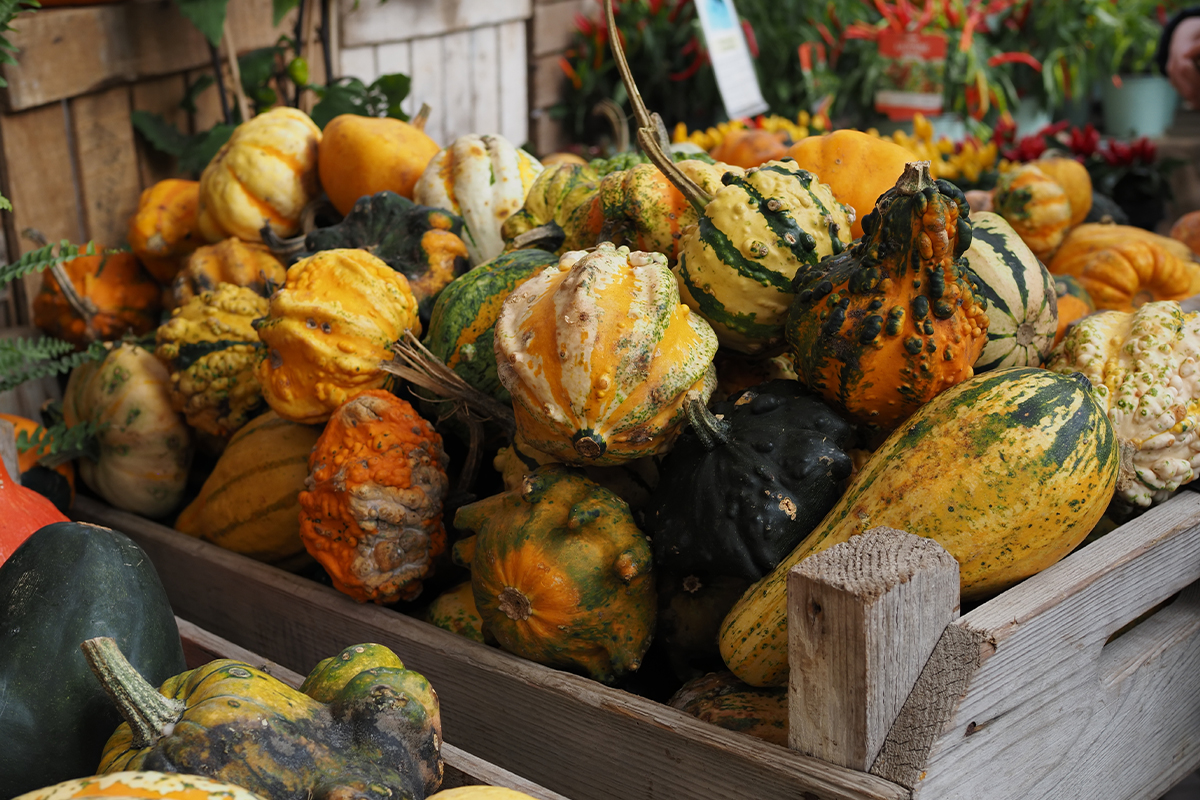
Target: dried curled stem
x,y
82,306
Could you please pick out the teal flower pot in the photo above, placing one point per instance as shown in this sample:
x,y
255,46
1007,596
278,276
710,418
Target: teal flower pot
x,y
1144,105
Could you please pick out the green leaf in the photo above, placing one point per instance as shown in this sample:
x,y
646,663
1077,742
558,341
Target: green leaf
x,y
61,443
394,88
40,259
162,135
188,103
280,8
203,146
24,360
340,98
207,15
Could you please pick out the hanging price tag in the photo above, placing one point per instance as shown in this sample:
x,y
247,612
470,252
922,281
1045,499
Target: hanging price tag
x,y
730,58
914,72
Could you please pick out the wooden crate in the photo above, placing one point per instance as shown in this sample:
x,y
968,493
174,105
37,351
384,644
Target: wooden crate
x,y
1023,697
461,768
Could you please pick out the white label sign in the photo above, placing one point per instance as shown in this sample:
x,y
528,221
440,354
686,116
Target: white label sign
x,y
730,59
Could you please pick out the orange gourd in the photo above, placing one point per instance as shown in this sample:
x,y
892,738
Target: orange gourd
x,y
165,228
1074,303
1036,207
372,512
1122,267
28,461
1074,180
858,167
24,511
125,297
249,264
1187,230
750,147
367,155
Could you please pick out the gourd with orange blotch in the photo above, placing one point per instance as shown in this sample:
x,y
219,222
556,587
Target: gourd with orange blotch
x,y
750,147
1036,206
372,512
248,264
123,298
599,356
887,325
165,228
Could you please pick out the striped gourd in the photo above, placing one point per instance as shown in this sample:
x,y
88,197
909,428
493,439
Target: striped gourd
x,y
484,180
464,317
1008,471
250,504
736,266
599,356
1018,294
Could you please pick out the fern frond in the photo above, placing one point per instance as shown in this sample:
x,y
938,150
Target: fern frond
x,y
24,360
61,443
43,258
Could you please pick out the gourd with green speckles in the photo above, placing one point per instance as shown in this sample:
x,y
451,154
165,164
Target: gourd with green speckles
x,y
361,726
1143,367
561,574
599,356
212,350
147,784
1008,471
1036,207
888,324
145,449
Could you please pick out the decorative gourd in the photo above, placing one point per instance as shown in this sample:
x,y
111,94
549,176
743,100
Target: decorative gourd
x,y
463,321
144,448
559,200
737,371
1075,181
372,509
1094,236
147,784
1105,211
599,356
1122,269
561,575
747,481
454,610
480,793
721,699
857,167
57,485
69,582
889,324
249,264
212,351
1008,471
562,158
420,243
750,147
690,611
736,266
1018,295
328,329
1036,207
264,175
1143,374
483,179
1074,303
24,512
1186,229
250,502
361,727
165,227
125,297
361,156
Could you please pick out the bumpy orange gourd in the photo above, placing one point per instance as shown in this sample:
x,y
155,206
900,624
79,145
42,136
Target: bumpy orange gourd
x,y
1186,229
165,227
248,264
264,175
1074,179
367,155
127,299
857,166
328,329
1122,269
1036,207
372,512
749,147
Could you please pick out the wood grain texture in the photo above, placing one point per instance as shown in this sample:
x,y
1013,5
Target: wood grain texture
x,y
106,158
494,704
1052,710
554,24
393,58
513,80
863,618
376,23
8,450
159,96
485,81
359,62
457,93
428,81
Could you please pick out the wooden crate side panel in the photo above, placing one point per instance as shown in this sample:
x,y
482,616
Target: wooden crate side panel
x,y
159,96
106,159
378,23
396,58
458,117
1049,693
428,80
514,83
485,81
537,722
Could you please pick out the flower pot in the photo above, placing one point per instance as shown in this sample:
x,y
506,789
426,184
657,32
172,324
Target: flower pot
x,y
1143,105
1030,116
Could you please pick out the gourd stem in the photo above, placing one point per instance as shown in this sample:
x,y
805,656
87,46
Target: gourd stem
x,y
285,250
711,431
652,134
422,117
916,178
235,73
150,715
81,305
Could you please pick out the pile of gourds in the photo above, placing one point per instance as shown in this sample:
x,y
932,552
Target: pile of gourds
x,y
697,374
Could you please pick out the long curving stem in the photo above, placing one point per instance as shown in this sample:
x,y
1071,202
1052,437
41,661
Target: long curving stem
x,y
149,714
652,134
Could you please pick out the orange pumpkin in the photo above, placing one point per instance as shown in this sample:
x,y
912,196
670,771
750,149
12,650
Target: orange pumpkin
x,y
1074,180
562,158
248,264
367,155
857,166
750,147
1074,303
1036,207
1187,230
125,297
1122,268
372,512
165,227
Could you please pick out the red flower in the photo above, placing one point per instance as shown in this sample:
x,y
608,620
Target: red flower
x,y
1084,141
1029,148
1118,154
1144,150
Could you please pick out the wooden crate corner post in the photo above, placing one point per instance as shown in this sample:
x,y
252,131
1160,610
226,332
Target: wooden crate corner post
x,y
863,619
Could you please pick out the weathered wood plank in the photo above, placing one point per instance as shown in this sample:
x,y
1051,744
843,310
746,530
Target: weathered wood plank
x,y
208,102
376,23
159,96
485,81
493,704
863,618
457,91
359,62
8,450
1052,711
554,24
514,83
428,80
548,81
396,58
106,159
